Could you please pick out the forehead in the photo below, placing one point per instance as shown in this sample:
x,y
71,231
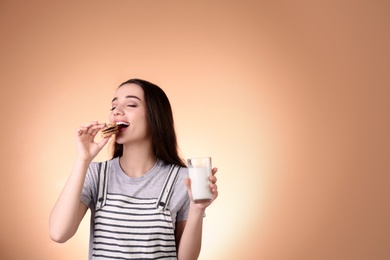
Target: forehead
x,y
127,90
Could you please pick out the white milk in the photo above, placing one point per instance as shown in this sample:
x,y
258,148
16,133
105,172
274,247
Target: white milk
x,y
200,183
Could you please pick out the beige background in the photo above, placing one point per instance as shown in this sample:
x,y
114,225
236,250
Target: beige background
x,y
290,98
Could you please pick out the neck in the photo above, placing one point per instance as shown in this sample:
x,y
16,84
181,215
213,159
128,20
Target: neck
x,y
137,160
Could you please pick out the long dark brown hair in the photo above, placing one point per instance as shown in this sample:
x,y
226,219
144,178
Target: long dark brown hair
x,y
161,125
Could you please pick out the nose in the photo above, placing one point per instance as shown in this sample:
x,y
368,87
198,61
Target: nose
x,y
118,111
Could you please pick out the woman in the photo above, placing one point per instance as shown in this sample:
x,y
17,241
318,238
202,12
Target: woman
x,y
141,204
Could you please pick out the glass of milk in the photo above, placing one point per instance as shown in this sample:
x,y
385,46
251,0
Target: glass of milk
x,y
199,170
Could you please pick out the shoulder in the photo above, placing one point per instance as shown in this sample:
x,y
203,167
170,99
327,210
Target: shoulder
x,y
183,172
166,167
95,168
181,176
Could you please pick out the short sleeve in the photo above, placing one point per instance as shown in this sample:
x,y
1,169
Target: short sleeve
x,y
182,214
89,191
184,199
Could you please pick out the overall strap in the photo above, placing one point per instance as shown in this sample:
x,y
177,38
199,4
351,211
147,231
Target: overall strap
x,y
166,192
102,185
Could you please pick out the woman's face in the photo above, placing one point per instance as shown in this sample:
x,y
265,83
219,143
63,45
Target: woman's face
x,y
129,113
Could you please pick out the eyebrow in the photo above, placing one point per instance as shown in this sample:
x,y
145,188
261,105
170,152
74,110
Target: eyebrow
x,y
130,96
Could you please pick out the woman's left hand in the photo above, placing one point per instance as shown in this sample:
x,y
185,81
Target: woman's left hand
x,y
213,189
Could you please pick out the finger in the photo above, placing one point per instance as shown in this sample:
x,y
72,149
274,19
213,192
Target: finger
x,y
187,182
98,126
214,171
213,186
84,129
90,124
215,194
81,130
213,179
93,130
103,142
87,127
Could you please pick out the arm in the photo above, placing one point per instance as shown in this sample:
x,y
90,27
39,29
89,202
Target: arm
x,y
68,211
189,233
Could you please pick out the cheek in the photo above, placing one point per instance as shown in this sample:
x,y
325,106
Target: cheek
x,y
143,122
110,117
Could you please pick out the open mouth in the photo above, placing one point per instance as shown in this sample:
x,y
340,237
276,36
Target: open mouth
x,y
122,125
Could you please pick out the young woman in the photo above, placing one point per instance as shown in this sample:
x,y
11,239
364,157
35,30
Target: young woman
x,y
140,200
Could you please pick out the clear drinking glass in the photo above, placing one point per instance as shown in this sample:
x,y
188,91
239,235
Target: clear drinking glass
x,y
199,170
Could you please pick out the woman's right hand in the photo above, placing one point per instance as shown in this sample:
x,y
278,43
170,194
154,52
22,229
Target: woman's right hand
x,y
87,148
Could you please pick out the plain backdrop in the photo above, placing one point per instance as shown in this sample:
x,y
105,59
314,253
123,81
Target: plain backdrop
x,y
289,98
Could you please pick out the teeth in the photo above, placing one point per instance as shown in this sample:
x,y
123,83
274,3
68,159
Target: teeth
x,y
122,123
